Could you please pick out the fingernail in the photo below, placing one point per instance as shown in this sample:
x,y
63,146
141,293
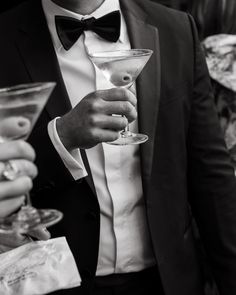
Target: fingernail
x,y
23,123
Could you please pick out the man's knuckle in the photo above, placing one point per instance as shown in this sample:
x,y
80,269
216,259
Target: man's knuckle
x,y
92,120
93,105
99,94
93,134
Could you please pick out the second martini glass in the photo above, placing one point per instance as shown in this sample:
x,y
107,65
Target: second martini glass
x,y
25,101
121,68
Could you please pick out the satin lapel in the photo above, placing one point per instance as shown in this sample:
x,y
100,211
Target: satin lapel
x,y
144,35
35,46
36,49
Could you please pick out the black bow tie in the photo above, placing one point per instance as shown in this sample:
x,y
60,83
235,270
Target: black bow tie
x,y
69,29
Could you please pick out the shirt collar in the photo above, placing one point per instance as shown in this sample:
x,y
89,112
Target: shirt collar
x,y
51,9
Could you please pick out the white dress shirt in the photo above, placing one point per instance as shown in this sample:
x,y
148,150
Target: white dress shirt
x,y
124,237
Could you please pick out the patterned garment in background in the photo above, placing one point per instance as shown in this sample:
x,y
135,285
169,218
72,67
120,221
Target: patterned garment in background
x,y
220,51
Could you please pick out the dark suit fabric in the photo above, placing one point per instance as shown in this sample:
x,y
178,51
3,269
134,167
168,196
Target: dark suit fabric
x,y
185,166
168,3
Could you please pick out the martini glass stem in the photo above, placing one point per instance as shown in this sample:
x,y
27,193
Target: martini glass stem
x,y
126,132
27,217
121,68
27,200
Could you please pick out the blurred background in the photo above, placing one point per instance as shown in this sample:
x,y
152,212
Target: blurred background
x,y
211,16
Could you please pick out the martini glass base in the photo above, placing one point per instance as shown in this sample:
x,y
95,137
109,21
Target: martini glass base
x,y
29,218
130,138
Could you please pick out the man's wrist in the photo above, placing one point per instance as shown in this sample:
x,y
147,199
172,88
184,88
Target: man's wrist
x,y
63,134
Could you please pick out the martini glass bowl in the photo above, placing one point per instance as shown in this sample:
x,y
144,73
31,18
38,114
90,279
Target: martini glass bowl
x,y
122,68
25,101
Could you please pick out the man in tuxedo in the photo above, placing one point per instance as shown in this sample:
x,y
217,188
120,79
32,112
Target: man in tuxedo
x,y
127,209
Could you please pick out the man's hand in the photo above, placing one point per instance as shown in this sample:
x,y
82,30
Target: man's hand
x,y
9,241
92,121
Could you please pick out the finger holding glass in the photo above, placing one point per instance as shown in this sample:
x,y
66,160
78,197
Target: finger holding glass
x,y
91,122
121,68
21,106
16,164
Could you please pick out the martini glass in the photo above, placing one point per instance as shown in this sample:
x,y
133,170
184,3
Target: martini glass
x,y
121,68
25,101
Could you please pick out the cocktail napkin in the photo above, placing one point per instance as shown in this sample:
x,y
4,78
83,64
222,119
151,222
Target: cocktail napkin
x,y
38,268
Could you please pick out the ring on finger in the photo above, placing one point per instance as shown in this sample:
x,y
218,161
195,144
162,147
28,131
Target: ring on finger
x,y
10,171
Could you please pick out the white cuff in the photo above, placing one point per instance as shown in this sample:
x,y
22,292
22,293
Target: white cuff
x,y
72,160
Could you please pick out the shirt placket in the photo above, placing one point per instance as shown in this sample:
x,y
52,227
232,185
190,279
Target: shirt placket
x,y
112,165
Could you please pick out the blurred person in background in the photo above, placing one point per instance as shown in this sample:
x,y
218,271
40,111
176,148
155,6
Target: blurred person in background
x,y
220,51
216,25
217,29
213,16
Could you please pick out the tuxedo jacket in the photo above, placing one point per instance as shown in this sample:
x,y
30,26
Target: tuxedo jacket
x,y
186,170
169,3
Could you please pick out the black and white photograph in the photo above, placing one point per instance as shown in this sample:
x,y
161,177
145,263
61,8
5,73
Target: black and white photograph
x,y
118,147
